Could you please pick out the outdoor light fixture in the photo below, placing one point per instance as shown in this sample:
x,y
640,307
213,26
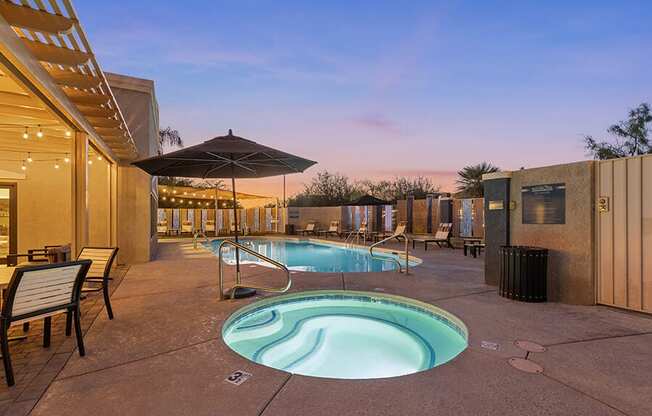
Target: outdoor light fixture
x,y
185,193
29,158
39,133
90,162
56,165
25,134
23,167
164,198
174,191
68,133
99,157
172,200
66,159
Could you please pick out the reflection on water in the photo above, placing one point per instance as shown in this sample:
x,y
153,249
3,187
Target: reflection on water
x,y
309,256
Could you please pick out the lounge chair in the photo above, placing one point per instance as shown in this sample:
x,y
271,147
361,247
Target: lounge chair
x,y
441,237
209,227
310,229
361,232
397,233
162,227
40,292
332,229
186,227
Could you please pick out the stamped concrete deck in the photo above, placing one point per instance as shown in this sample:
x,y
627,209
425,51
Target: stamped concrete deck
x,y
163,354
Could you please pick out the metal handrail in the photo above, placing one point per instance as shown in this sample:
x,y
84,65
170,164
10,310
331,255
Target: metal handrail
x,y
407,251
238,284
196,237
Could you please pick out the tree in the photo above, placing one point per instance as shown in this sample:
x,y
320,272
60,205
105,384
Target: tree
x,y
168,137
469,183
630,136
326,189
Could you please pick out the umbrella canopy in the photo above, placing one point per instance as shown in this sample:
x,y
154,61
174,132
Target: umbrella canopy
x,y
368,200
225,157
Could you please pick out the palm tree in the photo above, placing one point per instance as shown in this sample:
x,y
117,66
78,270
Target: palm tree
x,y
168,137
470,179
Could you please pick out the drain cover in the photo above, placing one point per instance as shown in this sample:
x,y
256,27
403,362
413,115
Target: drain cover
x,y
530,346
525,365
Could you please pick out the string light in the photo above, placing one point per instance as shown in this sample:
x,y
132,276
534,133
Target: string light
x,y
68,133
164,198
99,157
90,162
66,159
25,134
39,133
56,164
172,200
23,167
29,158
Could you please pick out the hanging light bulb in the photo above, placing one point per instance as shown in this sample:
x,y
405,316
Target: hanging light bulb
x,y
56,164
39,133
29,158
68,133
25,134
164,198
172,200
23,167
66,159
90,162
99,157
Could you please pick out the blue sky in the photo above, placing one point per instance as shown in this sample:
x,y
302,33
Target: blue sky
x,y
376,89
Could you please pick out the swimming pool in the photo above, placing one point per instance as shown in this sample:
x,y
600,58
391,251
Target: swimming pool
x,y
311,255
345,334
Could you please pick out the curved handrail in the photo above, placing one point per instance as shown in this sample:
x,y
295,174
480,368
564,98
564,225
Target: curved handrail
x,y
407,254
255,254
196,237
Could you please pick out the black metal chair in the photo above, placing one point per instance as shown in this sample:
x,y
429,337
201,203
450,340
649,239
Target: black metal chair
x,y
99,273
39,292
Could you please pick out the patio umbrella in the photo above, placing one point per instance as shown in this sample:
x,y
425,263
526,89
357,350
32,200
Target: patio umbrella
x,y
226,157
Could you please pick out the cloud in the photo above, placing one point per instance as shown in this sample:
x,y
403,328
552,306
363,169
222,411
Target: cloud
x,y
376,121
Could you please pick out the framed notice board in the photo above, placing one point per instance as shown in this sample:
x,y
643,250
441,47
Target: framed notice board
x,y
544,204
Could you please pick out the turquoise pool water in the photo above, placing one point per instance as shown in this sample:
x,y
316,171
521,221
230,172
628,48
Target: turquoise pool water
x,y
345,334
311,256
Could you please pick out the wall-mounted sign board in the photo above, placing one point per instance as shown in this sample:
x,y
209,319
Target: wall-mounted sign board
x,y
544,204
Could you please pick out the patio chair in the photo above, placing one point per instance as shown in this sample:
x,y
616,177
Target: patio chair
x,y
186,227
162,227
441,237
332,229
310,229
98,276
40,292
210,227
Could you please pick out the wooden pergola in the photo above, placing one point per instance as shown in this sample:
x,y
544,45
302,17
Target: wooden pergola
x,y
50,32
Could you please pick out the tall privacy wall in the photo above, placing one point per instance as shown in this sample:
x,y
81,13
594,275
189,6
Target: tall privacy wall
x,y
423,216
550,207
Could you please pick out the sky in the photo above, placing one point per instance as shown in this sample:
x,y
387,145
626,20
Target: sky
x,y
378,89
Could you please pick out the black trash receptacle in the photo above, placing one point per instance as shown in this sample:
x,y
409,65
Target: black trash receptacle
x,y
523,273
289,229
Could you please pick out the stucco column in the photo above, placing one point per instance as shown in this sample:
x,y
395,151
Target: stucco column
x,y
496,219
79,193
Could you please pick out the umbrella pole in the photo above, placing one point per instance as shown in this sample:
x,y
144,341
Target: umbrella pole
x,y
240,292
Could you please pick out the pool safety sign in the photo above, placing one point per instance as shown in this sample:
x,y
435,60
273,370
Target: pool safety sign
x,y
238,377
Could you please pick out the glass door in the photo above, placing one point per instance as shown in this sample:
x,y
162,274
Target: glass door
x,y
7,221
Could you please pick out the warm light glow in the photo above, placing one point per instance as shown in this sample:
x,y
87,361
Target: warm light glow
x,y
164,198
39,133
23,167
90,162
165,190
174,191
66,159
68,133
56,165
172,200
190,202
29,158
185,193
99,157
25,134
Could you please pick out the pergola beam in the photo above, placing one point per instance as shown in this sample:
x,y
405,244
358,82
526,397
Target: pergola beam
x,y
57,54
36,20
104,122
86,98
97,111
74,79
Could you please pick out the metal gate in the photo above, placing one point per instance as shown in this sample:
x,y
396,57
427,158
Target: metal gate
x,y
624,233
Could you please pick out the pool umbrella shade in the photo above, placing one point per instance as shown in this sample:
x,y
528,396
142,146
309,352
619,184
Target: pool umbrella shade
x,y
226,157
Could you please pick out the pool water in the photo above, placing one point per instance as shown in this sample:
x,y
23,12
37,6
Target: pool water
x,y
345,334
311,256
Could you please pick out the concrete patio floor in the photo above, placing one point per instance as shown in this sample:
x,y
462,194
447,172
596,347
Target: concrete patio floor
x,y
163,353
